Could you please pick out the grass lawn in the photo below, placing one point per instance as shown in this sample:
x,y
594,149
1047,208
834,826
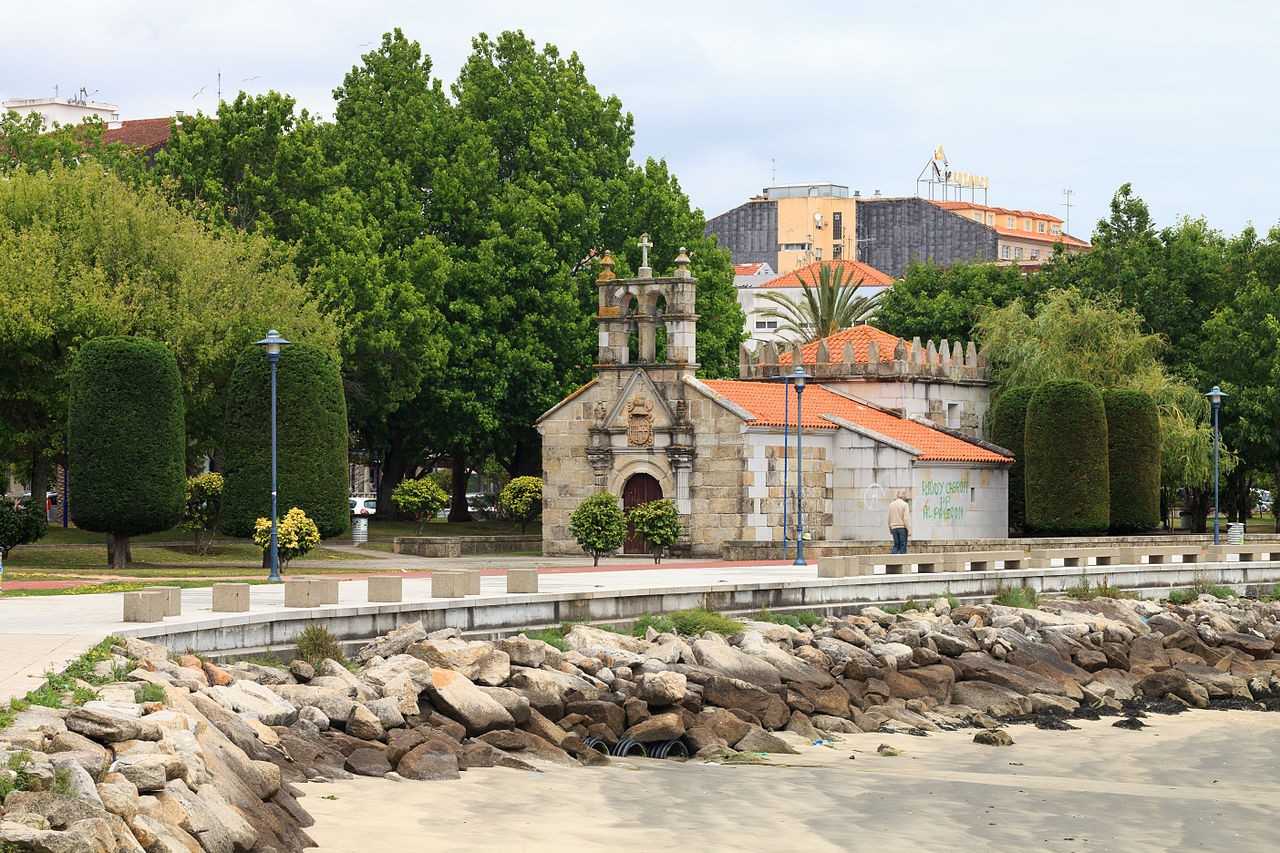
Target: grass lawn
x,y
387,529
112,586
227,558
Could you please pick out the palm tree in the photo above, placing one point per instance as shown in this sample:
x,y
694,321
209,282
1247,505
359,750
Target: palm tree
x,y
827,304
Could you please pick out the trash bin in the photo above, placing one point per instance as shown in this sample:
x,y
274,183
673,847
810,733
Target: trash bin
x,y
359,530
1235,533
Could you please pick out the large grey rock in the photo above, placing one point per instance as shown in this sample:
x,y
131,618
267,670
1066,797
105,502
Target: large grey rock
x,y
662,688
335,704
480,662
456,697
517,704
660,727
364,724
734,693
758,740
547,690
993,699
332,673
393,643
253,701
93,757
789,667
368,762
736,664
523,651
428,763
589,640
110,728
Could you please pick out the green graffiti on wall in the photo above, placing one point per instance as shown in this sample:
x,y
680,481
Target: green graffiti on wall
x,y
944,500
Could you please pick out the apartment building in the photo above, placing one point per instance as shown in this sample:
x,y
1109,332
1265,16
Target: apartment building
x,y
789,226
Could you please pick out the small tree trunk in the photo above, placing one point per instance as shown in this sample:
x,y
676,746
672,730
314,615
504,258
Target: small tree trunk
x,y
118,552
458,500
595,558
39,480
394,467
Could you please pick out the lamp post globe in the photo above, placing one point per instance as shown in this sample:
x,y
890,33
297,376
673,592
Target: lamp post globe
x,y
272,344
1215,396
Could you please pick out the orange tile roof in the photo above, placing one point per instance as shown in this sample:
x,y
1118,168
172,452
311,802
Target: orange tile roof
x,y
145,133
764,401
1006,231
859,336
748,269
855,272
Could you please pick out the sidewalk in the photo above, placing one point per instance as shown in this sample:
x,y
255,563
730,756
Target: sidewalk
x,y
38,634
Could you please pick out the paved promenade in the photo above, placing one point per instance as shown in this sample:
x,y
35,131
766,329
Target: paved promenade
x,y
42,633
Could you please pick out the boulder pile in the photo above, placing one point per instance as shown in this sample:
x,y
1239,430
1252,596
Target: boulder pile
x,y
215,766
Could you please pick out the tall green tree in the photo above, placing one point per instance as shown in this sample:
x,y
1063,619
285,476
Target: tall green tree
x,y
933,302
84,255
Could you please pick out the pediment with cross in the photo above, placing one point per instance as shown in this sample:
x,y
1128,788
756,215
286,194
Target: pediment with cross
x,y
639,410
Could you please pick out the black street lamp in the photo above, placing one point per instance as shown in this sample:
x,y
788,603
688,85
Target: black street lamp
x,y
1215,396
272,344
798,376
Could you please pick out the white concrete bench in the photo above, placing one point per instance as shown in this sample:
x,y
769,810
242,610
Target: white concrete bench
x,y
1243,553
1159,554
1042,558
897,564
981,561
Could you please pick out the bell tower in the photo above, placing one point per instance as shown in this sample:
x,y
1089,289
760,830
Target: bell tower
x,y
641,303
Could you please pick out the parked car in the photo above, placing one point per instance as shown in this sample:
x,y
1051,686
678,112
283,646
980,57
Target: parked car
x,y
364,506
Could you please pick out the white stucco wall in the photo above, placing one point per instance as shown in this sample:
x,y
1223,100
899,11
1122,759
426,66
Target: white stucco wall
x,y
959,501
923,399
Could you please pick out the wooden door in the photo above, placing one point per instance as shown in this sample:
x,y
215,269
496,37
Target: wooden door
x,y
639,489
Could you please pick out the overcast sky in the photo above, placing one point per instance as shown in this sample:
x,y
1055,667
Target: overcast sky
x,y
1178,98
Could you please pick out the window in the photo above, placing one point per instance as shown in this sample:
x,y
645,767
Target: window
x,y
794,247
978,217
837,251
1035,254
991,219
1017,253
766,324
953,415
817,254
1040,226
1026,225
837,225
1056,229
1004,252
1011,222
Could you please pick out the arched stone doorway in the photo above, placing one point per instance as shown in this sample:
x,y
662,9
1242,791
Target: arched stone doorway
x,y
639,489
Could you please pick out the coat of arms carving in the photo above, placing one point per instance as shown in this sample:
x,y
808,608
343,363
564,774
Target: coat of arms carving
x,y
640,423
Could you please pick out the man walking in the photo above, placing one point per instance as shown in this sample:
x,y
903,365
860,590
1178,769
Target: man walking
x,y
899,523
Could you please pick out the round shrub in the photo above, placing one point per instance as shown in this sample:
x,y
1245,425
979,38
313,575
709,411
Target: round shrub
x,y
1133,457
1065,446
598,525
1008,426
521,500
311,442
296,536
422,498
126,440
658,523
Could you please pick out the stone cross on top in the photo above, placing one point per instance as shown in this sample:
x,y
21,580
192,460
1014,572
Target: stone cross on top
x,y
645,245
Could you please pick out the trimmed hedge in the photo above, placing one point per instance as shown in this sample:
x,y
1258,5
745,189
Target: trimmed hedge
x,y
126,437
1133,457
1068,489
311,441
1008,428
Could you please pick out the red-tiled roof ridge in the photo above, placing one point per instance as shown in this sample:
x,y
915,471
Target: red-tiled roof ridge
x,y
146,133
856,272
748,269
859,336
1064,237
765,403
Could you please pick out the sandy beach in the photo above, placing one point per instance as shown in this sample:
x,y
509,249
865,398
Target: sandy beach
x,y
1206,780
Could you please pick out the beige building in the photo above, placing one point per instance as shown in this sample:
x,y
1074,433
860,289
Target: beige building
x,y
789,226
1023,237
724,451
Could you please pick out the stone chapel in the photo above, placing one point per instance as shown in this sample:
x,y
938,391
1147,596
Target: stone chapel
x,y
880,416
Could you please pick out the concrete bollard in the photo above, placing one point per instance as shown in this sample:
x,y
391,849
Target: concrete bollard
x,y
324,590
172,599
146,605
231,597
386,588
473,580
448,583
310,592
297,593
522,580
833,567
